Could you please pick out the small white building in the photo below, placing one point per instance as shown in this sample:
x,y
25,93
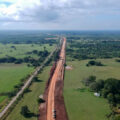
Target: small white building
x,y
97,94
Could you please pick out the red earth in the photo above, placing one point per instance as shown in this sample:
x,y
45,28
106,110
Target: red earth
x,y
53,96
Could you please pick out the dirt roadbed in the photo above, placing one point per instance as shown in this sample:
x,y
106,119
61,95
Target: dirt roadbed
x,y
53,95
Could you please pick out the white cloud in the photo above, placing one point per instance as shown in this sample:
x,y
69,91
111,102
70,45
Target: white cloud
x,y
52,11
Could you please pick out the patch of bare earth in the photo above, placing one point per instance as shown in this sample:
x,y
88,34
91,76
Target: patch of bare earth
x,y
69,67
61,113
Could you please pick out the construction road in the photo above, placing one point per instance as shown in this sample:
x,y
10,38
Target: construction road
x,y
58,75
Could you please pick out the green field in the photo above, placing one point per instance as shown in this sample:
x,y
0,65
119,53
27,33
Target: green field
x,y
82,104
22,49
11,75
30,99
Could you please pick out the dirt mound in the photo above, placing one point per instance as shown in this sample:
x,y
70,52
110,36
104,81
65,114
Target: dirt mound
x,y
68,67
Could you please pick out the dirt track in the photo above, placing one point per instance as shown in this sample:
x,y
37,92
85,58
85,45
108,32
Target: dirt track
x,y
53,95
56,80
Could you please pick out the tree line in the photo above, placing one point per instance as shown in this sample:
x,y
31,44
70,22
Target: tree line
x,y
30,60
91,49
109,89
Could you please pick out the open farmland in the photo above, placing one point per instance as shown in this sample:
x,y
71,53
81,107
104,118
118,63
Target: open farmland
x,y
14,74
30,98
10,76
20,54
83,49
22,50
82,102
90,59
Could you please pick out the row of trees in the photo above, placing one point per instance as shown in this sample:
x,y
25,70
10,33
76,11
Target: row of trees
x,y
39,53
27,38
94,63
35,62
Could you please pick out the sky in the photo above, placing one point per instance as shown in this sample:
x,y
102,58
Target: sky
x,y
60,14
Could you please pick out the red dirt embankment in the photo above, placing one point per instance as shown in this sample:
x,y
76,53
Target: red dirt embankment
x,y
43,106
53,94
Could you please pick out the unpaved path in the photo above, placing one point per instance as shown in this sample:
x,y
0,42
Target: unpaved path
x,y
55,90
25,85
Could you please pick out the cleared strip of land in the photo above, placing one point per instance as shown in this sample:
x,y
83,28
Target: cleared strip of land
x,y
57,75
54,108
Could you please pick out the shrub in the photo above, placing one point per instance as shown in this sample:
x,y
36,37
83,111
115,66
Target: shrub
x,y
40,100
110,98
25,111
94,63
89,80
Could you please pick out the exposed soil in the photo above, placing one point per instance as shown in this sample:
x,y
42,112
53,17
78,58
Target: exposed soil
x,y
61,113
43,107
69,67
53,95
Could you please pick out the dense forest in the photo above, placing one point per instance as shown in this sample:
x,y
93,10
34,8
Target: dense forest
x,y
93,46
27,37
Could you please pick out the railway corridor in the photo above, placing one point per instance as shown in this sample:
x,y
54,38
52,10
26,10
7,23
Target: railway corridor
x,y
58,75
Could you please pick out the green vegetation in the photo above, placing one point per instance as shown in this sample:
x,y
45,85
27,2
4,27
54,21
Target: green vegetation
x,y
109,88
87,52
89,80
27,37
31,61
92,47
32,58
94,63
23,50
97,86
11,75
85,106
40,100
25,111
19,52
78,99
30,99
117,60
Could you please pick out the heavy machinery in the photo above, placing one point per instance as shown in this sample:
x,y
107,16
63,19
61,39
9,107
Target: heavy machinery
x,y
54,113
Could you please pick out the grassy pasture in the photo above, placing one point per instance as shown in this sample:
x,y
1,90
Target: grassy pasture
x,y
30,99
22,49
82,104
2,98
10,75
